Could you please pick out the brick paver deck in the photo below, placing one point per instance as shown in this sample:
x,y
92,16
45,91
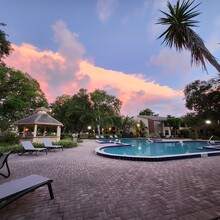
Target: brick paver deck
x,y
90,187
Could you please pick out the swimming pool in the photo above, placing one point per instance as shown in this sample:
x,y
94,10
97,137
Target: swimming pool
x,y
142,149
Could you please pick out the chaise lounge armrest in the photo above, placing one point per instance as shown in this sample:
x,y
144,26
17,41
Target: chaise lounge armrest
x,y
14,189
4,162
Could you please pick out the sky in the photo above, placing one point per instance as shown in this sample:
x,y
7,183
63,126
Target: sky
x,y
110,45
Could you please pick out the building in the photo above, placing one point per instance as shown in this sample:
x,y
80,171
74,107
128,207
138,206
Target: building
x,y
154,125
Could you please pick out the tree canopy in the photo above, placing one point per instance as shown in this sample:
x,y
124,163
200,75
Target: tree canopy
x,y
105,107
5,45
96,109
19,94
148,112
60,110
203,97
173,123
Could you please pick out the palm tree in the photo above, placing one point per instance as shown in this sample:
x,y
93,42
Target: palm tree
x,y
180,35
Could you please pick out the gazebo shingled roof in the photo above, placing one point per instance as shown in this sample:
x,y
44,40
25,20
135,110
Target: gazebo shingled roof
x,y
39,119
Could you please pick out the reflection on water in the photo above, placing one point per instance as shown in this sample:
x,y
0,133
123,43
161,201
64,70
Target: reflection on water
x,y
143,148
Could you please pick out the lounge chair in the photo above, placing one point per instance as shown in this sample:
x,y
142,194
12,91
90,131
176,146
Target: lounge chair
x,y
28,147
13,190
110,136
48,144
102,137
97,137
115,136
3,162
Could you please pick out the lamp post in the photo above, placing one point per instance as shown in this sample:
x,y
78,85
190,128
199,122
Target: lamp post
x,y
208,122
89,128
138,127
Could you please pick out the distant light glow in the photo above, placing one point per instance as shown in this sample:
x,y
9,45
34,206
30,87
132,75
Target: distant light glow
x,y
208,122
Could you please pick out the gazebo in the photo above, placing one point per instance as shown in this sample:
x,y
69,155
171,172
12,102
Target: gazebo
x,y
40,120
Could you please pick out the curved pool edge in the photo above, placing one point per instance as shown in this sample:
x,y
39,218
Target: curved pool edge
x,y
100,151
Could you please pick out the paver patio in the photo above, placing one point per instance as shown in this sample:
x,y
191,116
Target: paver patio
x,y
90,187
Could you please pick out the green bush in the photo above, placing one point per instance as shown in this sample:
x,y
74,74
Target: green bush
x,y
185,134
9,138
66,136
127,135
66,143
193,135
14,148
119,136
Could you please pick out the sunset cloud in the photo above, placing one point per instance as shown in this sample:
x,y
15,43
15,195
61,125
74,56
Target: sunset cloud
x,y
66,71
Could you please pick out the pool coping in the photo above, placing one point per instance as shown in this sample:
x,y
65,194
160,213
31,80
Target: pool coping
x,y
100,151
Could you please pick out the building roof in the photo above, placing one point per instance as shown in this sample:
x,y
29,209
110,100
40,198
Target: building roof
x,y
153,118
40,118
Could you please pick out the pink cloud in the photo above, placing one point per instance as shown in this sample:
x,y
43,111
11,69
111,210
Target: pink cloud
x,y
66,71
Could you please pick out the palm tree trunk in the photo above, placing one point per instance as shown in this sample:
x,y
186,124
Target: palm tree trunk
x,y
199,51
212,60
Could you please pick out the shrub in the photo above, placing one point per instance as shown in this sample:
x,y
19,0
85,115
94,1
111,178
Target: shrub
x,y
193,135
185,134
119,136
14,148
127,135
66,136
10,138
66,143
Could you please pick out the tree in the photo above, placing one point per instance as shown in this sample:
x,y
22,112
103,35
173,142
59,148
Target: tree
x,y
148,112
80,111
180,34
73,111
104,107
203,97
173,123
19,94
60,108
84,109
127,124
192,120
5,45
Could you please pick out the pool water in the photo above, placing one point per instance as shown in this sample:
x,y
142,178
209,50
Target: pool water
x,y
144,148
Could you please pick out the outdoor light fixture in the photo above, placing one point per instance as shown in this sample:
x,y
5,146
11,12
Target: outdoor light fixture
x,y
208,122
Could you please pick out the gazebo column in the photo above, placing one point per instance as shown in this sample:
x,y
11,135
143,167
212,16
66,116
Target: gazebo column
x,y
24,132
35,131
16,129
58,132
44,134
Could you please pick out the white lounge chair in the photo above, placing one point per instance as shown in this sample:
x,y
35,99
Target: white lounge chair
x,y
28,147
48,144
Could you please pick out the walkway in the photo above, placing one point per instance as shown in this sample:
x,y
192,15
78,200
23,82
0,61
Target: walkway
x,y
91,187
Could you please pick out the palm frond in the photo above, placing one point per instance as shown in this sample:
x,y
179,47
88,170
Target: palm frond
x,y
180,20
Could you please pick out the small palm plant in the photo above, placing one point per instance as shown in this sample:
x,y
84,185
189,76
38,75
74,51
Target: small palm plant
x,y
180,34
